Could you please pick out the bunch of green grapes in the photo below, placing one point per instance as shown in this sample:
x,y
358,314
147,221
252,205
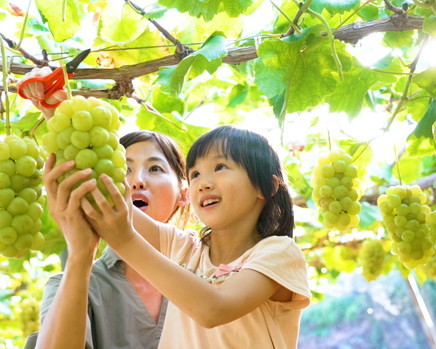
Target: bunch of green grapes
x,y
85,130
372,256
430,267
28,314
336,190
21,202
405,215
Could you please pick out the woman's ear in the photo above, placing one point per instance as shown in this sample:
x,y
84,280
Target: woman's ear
x,y
276,183
184,196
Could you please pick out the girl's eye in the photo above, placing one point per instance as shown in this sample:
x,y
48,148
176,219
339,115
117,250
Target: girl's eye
x,y
220,167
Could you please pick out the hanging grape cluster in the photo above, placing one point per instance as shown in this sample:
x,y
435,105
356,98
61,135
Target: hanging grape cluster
x,y
21,163
28,314
372,257
408,220
84,130
336,190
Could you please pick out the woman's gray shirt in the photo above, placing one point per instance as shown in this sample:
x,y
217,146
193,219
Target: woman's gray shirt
x,y
117,318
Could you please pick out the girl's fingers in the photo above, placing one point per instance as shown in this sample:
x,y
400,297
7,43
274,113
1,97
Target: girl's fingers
x,y
87,208
102,202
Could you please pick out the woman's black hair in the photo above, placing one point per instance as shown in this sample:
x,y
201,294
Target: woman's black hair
x,y
167,145
252,152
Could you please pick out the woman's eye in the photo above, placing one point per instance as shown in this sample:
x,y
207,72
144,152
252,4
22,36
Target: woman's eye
x,y
129,170
194,175
155,169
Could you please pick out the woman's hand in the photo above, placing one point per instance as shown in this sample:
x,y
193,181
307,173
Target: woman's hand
x,y
112,222
64,206
35,92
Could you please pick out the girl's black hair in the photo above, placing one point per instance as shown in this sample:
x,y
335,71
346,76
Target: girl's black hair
x,y
252,152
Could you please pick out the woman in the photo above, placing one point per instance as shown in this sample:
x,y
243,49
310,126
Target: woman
x,y
107,304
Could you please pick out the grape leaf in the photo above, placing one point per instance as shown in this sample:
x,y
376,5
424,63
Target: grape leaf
x,y
51,12
399,39
368,13
238,95
207,58
120,27
135,51
333,6
166,103
424,127
185,134
409,168
427,80
208,9
301,71
342,100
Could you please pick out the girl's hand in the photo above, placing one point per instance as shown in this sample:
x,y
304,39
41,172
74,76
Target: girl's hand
x,y
113,223
35,92
64,206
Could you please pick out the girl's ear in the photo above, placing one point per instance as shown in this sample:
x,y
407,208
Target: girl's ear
x,y
184,197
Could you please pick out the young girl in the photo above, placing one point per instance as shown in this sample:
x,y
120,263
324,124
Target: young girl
x,y
244,282
107,304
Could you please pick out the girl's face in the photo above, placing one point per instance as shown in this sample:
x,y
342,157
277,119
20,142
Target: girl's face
x,y
222,193
154,184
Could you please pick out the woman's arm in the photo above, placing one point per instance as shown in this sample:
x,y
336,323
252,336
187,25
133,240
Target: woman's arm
x,y
64,325
234,298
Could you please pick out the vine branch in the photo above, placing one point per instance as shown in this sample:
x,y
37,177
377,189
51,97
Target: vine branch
x,y
351,33
404,96
12,45
181,50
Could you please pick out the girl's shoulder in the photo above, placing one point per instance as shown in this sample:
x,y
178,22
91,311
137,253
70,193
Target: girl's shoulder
x,y
283,248
274,241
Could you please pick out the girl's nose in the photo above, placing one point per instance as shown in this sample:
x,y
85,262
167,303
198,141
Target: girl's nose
x,y
206,185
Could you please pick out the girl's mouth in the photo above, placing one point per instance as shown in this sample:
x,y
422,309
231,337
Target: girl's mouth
x,y
209,202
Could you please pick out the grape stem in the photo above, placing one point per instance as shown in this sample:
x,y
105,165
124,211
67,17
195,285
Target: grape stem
x,y
64,12
331,39
24,26
404,97
293,25
398,164
67,81
5,85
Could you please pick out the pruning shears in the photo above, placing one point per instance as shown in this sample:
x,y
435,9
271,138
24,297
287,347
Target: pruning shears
x,y
55,80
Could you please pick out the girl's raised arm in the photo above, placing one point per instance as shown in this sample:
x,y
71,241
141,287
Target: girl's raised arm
x,y
234,298
146,227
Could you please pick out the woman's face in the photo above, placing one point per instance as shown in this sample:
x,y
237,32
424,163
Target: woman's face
x,y
154,184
